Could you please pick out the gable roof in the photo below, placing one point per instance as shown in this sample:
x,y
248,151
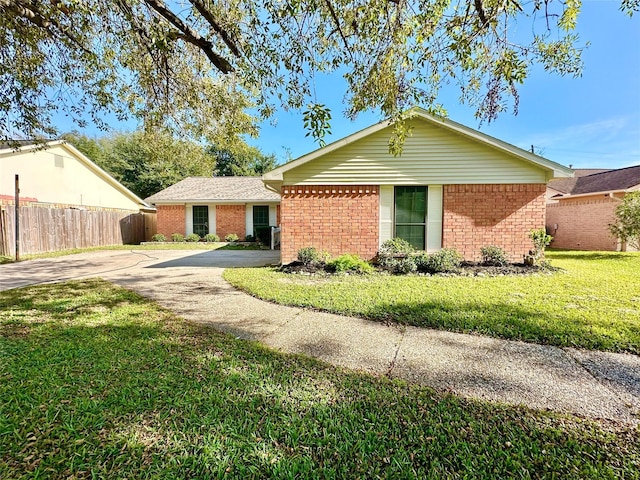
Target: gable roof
x,y
554,169
216,189
6,150
609,181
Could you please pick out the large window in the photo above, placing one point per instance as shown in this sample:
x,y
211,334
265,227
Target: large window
x,y
200,220
411,215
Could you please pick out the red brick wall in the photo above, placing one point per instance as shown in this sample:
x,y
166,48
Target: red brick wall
x,y
339,219
476,216
230,219
583,224
171,219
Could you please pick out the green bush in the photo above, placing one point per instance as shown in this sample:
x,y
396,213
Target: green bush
x,y
399,266
231,237
249,238
312,256
446,260
192,237
395,246
177,237
158,237
494,256
348,263
540,241
211,237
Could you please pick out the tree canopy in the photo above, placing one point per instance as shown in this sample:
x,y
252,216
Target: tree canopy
x,y
148,162
195,67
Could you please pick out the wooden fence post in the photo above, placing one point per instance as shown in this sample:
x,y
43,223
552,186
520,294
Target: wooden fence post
x,y
17,217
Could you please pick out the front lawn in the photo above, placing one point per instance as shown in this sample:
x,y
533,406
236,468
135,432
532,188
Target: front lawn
x,y
97,382
594,303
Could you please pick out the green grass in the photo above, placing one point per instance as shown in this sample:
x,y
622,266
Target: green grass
x,y
97,382
594,303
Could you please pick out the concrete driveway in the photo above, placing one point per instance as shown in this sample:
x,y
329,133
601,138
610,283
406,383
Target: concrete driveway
x,y
107,263
597,385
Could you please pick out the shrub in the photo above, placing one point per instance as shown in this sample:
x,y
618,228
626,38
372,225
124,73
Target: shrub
x,y
351,264
177,237
192,237
395,246
211,237
249,238
398,266
158,237
494,256
312,256
446,260
231,237
540,241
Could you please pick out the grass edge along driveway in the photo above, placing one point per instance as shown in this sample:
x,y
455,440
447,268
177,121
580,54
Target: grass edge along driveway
x,y
99,382
594,303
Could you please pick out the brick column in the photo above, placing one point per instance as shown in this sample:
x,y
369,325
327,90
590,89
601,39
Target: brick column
x,y
171,219
338,219
230,219
477,216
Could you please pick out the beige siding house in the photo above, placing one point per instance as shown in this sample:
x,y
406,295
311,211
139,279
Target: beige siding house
x,y
66,201
451,187
62,175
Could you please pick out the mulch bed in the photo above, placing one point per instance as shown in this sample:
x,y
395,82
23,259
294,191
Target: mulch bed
x,y
467,269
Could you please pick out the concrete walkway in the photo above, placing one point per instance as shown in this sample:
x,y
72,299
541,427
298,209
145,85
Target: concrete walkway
x,y
591,384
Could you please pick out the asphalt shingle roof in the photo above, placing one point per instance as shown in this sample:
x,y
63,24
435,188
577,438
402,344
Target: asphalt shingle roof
x,y
211,189
619,179
565,185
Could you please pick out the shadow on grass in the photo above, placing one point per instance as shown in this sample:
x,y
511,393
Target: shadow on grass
x,y
505,320
98,392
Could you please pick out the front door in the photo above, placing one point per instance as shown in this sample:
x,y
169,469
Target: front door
x,y
411,215
201,220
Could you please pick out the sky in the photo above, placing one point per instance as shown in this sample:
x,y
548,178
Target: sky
x,y
588,122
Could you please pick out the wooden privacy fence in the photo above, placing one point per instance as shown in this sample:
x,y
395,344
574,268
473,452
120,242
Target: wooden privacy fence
x,y
44,229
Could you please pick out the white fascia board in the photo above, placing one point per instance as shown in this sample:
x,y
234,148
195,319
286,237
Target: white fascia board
x,y
211,201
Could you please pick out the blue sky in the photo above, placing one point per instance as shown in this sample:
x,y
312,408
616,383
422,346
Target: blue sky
x,y
587,122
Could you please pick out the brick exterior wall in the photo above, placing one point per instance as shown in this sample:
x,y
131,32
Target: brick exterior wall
x,y
583,223
339,219
230,219
171,219
476,216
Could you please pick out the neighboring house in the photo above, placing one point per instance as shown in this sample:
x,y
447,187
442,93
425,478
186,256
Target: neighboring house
x,y
60,174
219,205
580,216
560,186
66,201
451,187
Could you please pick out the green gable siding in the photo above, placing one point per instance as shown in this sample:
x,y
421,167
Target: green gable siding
x,y
432,155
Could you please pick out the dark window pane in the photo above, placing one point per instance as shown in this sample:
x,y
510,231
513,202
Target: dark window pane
x,y
201,220
414,234
410,214
411,203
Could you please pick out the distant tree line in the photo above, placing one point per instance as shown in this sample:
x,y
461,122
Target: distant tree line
x,y
149,162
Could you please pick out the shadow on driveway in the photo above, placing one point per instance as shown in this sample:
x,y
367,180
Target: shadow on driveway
x,y
224,259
